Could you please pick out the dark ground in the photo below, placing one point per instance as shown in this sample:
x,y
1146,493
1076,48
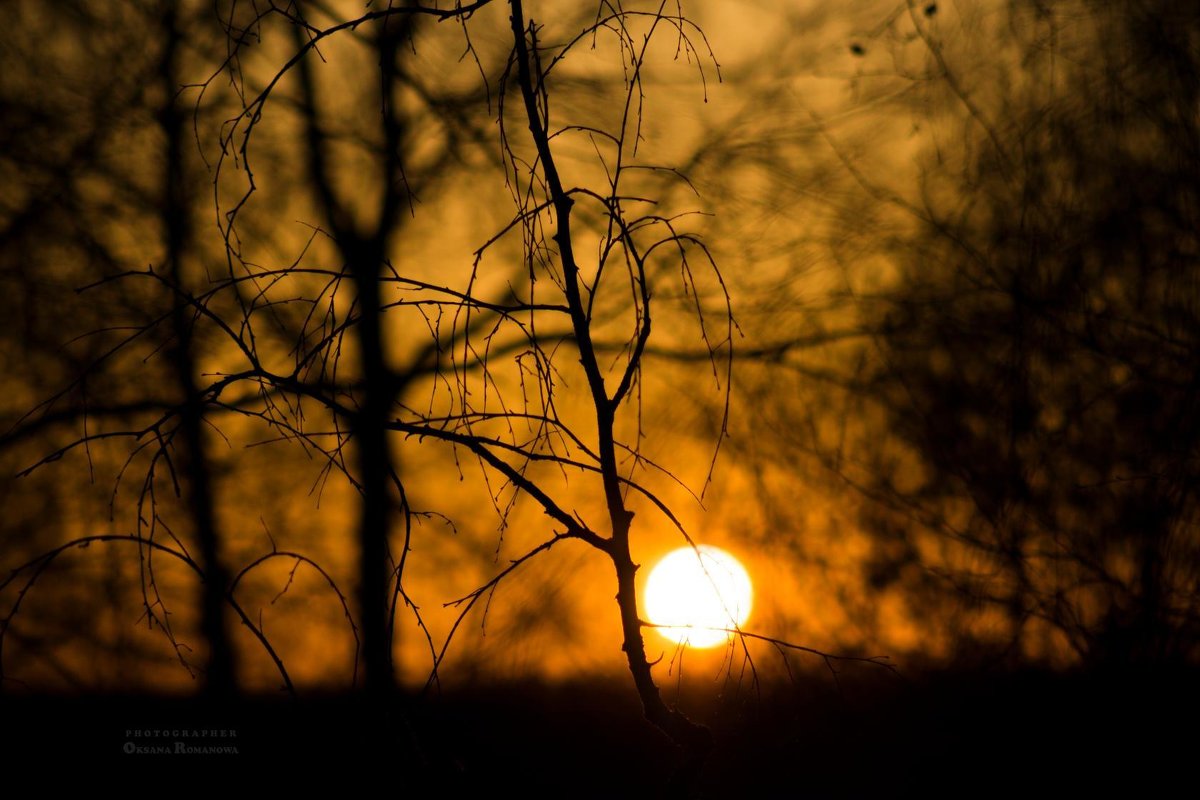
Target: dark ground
x,y
946,735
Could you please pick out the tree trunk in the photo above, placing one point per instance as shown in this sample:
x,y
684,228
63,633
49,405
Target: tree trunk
x,y
192,464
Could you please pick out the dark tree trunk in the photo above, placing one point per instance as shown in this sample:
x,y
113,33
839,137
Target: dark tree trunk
x,y
191,459
374,467
694,740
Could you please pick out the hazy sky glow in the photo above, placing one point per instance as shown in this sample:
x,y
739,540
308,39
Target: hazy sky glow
x,y
958,259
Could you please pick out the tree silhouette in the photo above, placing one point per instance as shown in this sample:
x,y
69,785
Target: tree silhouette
x,y
368,342
90,186
551,302
334,319
1011,397
192,457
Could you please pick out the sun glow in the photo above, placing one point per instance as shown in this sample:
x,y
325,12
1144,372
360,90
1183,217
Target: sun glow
x,y
696,595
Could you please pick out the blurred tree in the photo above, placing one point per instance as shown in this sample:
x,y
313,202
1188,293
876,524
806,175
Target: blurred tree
x,y
1019,410
192,462
76,157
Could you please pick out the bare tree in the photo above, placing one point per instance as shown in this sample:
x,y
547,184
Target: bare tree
x,y
527,355
491,344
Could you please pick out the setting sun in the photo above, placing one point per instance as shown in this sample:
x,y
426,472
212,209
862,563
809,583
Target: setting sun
x,y
697,595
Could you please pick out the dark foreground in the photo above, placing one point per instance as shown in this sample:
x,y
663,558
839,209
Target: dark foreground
x,y
950,735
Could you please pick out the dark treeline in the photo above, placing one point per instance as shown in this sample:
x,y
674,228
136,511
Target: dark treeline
x,y
998,387
1042,348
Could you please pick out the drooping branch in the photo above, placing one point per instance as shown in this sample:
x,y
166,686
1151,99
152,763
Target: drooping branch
x,y
38,565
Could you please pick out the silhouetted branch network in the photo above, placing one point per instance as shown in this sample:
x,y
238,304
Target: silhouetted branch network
x,y
156,612
501,352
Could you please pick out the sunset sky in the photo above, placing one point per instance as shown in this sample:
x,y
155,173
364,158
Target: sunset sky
x,y
897,303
